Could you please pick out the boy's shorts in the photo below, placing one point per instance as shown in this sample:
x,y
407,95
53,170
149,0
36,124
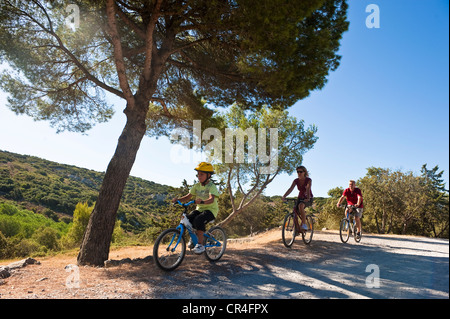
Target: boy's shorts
x,y
200,219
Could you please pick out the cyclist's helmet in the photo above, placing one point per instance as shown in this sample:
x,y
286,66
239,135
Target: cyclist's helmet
x,y
205,167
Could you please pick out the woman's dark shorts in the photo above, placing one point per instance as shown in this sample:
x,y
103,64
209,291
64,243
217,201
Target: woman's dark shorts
x,y
307,204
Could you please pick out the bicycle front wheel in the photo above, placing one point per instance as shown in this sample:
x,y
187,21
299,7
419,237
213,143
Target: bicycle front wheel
x,y
308,234
215,243
169,249
288,231
344,230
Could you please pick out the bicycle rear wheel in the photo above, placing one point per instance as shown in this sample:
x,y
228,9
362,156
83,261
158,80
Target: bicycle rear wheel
x,y
288,231
216,244
308,234
167,254
344,230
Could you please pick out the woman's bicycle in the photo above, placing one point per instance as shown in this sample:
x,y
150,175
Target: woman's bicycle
x,y
170,246
348,225
291,227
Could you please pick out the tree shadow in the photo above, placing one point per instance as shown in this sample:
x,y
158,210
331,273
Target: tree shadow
x,y
323,269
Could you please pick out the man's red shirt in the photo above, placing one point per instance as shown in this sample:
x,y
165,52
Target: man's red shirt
x,y
352,197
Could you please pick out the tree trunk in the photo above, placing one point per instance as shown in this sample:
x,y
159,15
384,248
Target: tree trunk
x,y
97,238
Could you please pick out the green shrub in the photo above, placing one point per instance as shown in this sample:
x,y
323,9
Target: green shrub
x,y
47,237
4,245
80,221
25,248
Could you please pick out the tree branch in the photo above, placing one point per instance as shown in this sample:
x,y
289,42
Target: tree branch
x,y
72,57
124,17
163,103
118,53
149,45
230,191
188,45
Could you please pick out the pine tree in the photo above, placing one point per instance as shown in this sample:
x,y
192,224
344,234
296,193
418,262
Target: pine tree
x,y
163,58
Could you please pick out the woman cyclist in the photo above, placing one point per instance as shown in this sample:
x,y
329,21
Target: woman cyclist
x,y
305,196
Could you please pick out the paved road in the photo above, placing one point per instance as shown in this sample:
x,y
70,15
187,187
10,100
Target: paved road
x,y
378,267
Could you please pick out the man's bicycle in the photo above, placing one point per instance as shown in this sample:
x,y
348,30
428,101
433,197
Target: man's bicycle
x,y
291,227
348,225
170,246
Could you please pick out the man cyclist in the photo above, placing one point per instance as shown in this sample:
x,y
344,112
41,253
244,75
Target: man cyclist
x,y
354,198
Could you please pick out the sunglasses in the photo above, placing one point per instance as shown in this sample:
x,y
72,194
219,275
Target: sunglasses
x,y
300,171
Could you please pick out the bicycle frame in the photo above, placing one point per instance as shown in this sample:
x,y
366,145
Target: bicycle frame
x,y
351,220
351,215
296,215
288,234
348,225
181,227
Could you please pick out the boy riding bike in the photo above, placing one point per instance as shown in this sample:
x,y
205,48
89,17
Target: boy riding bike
x,y
207,202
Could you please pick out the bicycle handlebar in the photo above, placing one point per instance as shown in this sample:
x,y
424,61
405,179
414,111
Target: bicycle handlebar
x,y
185,204
295,200
344,206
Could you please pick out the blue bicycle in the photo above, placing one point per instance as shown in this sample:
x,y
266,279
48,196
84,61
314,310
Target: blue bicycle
x,y
170,246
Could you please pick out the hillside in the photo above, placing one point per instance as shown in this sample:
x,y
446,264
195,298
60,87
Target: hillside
x,y
54,189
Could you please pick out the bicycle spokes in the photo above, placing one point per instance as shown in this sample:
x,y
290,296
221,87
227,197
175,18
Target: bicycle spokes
x,y
308,233
288,231
215,243
344,230
169,249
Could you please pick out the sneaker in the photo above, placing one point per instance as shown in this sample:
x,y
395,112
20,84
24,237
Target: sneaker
x,y
190,244
198,249
358,235
304,227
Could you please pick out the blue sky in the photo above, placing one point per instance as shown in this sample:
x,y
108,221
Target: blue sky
x,y
386,106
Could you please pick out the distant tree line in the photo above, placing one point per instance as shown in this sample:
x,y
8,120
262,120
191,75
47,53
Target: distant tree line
x,y
397,202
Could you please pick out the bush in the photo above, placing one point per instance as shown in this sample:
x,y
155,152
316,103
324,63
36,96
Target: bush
x,y
4,251
80,221
25,233
47,237
25,248
8,226
7,209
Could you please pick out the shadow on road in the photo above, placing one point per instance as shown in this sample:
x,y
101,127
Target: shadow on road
x,y
324,269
